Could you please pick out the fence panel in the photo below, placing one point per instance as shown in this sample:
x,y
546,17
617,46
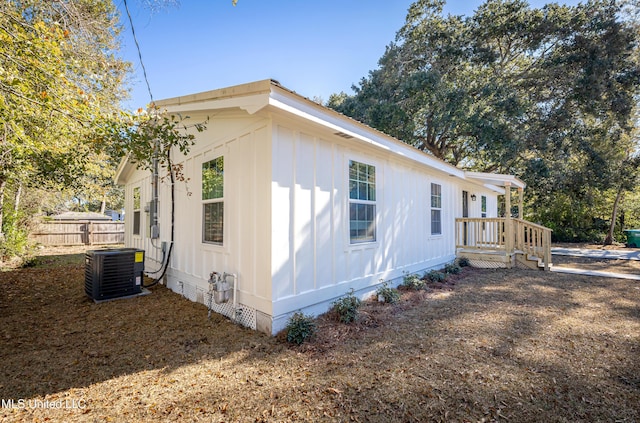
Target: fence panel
x,y
79,232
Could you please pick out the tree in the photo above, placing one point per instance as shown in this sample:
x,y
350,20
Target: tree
x,y
59,73
547,94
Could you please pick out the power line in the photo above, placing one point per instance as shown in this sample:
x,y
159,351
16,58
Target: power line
x,y
135,39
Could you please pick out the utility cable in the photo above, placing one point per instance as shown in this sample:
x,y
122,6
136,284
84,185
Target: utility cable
x,y
135,39
173,206
166,259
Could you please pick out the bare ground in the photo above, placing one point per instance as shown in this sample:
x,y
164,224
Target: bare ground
x,y
490,345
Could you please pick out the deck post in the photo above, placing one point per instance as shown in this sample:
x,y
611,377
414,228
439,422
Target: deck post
x,y
520,203
508,223
547,249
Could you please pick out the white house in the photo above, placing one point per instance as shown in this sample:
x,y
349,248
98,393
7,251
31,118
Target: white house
x,y
301,203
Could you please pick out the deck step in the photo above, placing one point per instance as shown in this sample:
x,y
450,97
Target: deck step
x,y
493,258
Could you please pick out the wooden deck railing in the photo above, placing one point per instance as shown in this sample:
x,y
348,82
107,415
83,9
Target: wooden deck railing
x,y
507,235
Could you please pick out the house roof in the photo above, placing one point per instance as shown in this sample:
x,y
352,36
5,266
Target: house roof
x,y
269,94
81,216
496,179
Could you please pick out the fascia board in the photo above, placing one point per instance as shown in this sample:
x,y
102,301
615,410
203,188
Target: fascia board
x,y
250,103
495,188
123,168
498,179
340,123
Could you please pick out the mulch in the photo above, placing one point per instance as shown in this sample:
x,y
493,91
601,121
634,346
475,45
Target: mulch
x,y
487,345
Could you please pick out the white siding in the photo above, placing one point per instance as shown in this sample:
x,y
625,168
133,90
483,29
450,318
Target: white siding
x,y
245,144
153,248
286,222
312,260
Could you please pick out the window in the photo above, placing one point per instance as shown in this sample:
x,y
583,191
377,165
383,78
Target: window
x,y
483,205
136,211
213,201
362,202
436,209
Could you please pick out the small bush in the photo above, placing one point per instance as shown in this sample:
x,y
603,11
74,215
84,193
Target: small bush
x,y
463,262
412,281
452,269
435,276
390,295
16,237
347,307
29,261
300,328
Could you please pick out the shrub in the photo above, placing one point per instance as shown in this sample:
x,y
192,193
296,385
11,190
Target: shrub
x,y
412,281
16,237
347,307
452,268
463,262
435,276
300,328
390,295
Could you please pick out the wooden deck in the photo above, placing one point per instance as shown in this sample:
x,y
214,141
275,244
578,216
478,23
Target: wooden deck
x,y
503,242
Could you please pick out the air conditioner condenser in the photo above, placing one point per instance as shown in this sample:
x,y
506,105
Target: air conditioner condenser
x,y
116,273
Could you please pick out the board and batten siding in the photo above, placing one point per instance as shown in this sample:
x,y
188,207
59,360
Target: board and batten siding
x,y
245,144
153,248
245,249
313,261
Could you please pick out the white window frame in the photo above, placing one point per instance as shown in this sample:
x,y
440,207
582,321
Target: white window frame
x,y
137,211
483,206
363,193
215,199
435,204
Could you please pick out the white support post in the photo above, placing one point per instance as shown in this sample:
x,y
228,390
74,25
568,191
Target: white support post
x,y
520,203
508,223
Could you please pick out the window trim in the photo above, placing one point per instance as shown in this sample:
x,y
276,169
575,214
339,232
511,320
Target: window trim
x,y
137,212
214,200
362,242
483,206
435,208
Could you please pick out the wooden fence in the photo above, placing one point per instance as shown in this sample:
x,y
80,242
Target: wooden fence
x,y
79,232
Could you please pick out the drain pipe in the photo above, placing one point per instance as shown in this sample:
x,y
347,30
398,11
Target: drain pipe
x,y
154,195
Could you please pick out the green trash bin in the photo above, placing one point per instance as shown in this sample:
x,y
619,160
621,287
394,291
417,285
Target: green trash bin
x,y
633,237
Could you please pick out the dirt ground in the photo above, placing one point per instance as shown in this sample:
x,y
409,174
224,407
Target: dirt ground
x,y
490,345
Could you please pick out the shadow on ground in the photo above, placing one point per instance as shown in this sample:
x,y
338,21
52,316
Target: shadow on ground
x,y
497,345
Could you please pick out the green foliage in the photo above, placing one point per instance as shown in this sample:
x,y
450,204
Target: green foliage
x,y
546,94
463,262
59,76
435,276
452,268
300,328
389,294
346,308
147,136
412,281
16,237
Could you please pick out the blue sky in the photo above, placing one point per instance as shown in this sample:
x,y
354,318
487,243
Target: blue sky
x,y
313,47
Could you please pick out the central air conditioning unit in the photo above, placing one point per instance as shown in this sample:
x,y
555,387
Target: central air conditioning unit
x,y
110,274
